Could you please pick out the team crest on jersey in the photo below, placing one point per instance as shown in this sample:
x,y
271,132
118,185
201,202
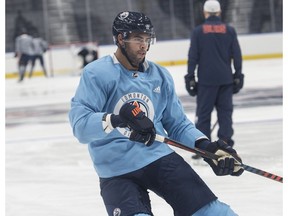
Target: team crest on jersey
x,y
137,99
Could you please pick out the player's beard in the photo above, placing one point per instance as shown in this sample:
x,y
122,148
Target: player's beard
x,y
136,57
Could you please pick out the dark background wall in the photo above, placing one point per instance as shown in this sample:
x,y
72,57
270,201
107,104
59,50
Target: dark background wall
x,y
71,21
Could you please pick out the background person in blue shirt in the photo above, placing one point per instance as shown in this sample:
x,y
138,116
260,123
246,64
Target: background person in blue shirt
x,y
121,102
214,46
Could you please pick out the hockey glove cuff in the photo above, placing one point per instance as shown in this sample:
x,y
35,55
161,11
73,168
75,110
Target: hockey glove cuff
x,y
111,121
228,163
141,126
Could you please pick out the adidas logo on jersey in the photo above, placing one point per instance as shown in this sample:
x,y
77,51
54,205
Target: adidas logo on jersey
x,y
157,89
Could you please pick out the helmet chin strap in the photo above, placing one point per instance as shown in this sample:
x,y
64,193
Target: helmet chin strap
x,y
140,66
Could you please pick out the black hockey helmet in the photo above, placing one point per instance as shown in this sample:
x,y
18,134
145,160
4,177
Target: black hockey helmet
x,y
127,22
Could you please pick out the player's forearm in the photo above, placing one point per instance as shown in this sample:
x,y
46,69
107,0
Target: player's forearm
x,y
87,125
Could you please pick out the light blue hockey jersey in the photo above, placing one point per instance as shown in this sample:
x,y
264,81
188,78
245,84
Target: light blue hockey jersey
x,y
105,85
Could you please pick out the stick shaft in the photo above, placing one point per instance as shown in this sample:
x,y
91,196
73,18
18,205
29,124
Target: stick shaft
x,y
214,126
262,173
210,155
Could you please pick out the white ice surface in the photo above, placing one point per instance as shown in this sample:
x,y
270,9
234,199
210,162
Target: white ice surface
x,y
49,173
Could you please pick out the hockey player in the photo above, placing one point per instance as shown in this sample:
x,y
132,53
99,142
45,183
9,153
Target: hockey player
x,y
24,51
121,102
214,45
40,47
88,54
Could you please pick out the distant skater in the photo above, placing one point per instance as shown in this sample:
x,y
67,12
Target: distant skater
x,y
88,54
40,47
24,52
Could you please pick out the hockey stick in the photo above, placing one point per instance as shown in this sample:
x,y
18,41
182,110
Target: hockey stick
x,y
211,130
214,125
210,155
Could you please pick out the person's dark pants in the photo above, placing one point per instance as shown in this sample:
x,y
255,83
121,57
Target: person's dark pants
x,y
23,62
170,177
220,97
34,58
